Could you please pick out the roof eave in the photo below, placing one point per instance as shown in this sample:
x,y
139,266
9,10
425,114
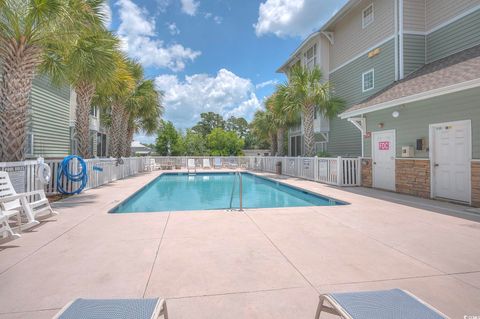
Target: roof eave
x,y
413,98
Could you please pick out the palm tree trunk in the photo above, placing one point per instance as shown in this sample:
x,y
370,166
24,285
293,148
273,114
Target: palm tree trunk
x,y
130,133
115,129
85,93
18,69
309,137
273,144
281,141
124,134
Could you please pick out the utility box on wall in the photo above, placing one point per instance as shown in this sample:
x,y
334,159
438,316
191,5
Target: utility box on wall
x,y
408,151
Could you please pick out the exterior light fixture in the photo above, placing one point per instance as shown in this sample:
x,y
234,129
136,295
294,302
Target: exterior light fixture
x,y
395,114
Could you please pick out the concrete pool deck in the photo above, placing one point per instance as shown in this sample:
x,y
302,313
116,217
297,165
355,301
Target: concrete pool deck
x,y
261,263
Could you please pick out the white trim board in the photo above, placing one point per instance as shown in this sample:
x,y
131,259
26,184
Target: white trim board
x,y
414,98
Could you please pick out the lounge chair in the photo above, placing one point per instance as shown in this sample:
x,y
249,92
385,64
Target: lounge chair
x,y
232,163
217,162
191,165
206,163
392,304
114,309
10,201
152,165
5,229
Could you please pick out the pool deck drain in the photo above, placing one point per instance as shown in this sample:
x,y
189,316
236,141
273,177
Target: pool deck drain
x,y
260,263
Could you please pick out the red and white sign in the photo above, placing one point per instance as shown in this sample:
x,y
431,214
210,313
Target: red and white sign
x,y
384,146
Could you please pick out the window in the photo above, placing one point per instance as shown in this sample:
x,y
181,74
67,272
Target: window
x,y
94,111
29,145
310,57
368,79
367,16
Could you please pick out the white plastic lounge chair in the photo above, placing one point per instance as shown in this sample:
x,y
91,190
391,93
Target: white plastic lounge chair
x,y
5,229
232,163
392,304
10,201
191,165
114,309
152,165
206,163
217,162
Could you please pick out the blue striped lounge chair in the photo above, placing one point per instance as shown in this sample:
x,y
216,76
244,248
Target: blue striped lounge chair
x,y
382,304
114,309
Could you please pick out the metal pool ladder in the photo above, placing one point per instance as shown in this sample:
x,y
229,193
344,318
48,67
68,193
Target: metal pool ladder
x,y
240,188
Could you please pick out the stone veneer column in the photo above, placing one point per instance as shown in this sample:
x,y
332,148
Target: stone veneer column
x,y
412,176
367,172
476,183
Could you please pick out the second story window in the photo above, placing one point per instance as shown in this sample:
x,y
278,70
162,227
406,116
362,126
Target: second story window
x,y
367,16
368,79
310,57
94,111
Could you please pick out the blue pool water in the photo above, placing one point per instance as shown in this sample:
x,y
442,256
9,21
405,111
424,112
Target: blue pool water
x,y
179,191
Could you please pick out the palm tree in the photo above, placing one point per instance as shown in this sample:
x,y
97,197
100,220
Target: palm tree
x,y
145,109
283,117
306,92
28,28
264,127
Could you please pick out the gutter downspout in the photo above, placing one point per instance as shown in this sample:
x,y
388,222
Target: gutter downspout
x,y
395,18
400,18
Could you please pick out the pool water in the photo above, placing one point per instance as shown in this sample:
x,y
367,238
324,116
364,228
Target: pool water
x,y
206,191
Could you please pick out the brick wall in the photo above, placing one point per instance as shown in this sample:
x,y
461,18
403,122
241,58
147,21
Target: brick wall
x,y
476,184
367,172
413,177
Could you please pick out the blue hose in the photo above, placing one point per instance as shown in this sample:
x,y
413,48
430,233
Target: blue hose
x,y
81,176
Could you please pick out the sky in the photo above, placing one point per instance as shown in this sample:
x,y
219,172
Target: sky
x,y
214,55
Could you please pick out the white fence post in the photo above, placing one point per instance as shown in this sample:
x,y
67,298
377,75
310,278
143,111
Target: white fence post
x,y
339,171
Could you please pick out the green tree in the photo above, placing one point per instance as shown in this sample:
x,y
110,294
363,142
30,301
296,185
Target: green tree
x,y
262,129
223,143
208,122
169,140
306,92
29,29
195,144
239,125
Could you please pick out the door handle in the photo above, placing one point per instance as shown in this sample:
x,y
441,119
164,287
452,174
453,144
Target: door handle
x,y
374,163
436,165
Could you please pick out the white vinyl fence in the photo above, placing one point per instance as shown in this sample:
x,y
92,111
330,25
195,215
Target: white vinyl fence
x,y
99,171
335,171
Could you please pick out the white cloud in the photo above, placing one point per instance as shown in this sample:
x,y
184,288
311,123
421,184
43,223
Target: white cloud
x,y
218,20
138,38
266,83
293,17
172,28
106,12
190,7
224,93
162,5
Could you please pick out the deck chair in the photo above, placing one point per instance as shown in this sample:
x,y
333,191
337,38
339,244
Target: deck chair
x,y
10,201
114,309
206,163
5,229
191,165
152,165
217,162
232,163
392,304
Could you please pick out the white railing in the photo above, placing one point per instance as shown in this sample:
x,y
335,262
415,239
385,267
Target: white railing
x,y
330,170
99,171
335,171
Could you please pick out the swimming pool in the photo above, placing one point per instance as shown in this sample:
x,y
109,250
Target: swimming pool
x,y
207,191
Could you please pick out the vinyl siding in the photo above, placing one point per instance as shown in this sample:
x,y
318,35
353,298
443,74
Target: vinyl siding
x,y
344,139
440,11
415,118
347,81
457,36
50,116
413,52
351,39
414,15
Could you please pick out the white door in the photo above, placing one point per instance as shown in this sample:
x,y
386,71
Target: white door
x,y
451,152
383,157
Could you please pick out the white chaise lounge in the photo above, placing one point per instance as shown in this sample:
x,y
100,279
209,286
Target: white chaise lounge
x,y
191,165
5,229
29,205
206,163
217,162
114,309
391,304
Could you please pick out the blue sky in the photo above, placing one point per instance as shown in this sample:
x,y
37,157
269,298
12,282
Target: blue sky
x,y
214,55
